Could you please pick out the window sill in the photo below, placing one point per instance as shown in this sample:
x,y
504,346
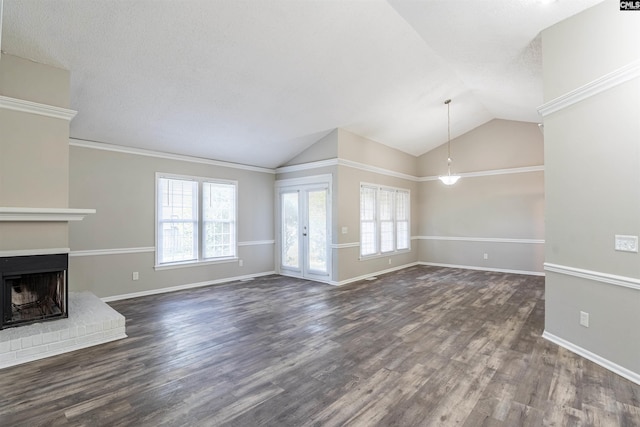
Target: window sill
x,y
173,265
384,255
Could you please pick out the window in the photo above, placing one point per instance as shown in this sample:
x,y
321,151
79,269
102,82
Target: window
x,y
384,220
196,219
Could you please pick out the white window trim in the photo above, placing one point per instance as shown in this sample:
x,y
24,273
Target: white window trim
x,y
395,251
200,261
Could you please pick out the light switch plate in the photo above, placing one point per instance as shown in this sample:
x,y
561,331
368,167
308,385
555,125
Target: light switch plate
x,y
626,243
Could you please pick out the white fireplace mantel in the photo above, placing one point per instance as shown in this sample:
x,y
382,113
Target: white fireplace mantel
x,y
43,214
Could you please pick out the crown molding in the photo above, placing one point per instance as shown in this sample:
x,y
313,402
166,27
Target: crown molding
x,y
43,214
288,169
161,155
601,84
307,166
375,169
21,105
524,169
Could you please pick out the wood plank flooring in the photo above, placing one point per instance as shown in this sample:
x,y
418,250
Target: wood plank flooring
x,y
419,347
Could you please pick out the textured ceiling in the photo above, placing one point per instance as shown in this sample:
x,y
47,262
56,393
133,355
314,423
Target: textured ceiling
x,y
256,82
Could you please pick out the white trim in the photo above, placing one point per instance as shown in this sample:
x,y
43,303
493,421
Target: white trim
x,y
23,106
286,169
599,360
601,84
375,169
305,180
482,239
30,252
161,155
183,287
197,263
147,249
43,214
345,245
509,171
257,242
307,166
347,163
366,276
611,279
473,267
118,251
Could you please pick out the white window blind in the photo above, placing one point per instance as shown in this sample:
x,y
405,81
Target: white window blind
x,y
177,220
402,220
219,212
368,226
384,220
196,219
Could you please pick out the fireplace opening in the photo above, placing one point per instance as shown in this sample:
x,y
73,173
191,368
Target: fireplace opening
x,y
34,289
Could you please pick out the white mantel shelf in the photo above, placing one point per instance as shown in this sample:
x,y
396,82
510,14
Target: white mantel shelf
x,y
43,214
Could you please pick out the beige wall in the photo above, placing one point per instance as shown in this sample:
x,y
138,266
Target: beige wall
x,y
30,81
362,150
121,187
498,144
325,148
505,211
34,166
592,159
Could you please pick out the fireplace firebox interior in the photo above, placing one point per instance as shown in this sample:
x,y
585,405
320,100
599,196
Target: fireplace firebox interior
x,y
34,289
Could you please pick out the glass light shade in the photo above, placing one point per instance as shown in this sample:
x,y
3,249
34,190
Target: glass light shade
x,y
449,179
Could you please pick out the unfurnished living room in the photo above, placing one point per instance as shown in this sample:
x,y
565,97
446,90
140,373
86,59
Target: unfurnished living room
x,y
319,213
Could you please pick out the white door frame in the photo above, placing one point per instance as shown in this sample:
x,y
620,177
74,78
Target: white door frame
x,y
304,184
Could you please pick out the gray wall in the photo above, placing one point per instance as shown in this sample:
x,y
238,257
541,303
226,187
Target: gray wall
x,y
121,187
34,168
367,155
500,215
592,159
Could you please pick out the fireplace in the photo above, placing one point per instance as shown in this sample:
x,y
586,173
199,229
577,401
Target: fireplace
x,y
33,289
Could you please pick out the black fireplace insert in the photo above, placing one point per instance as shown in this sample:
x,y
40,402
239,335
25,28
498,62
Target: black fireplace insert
x,y
34,289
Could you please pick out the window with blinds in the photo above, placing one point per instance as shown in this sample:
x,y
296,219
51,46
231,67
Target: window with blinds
x,y
384,220
196,219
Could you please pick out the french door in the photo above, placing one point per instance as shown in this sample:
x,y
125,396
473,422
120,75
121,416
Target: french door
x,y
304,231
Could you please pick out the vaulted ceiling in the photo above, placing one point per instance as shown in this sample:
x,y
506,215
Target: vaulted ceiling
x,y
256,82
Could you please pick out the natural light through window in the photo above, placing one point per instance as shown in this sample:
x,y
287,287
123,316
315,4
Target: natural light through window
x,y
384,220
196,219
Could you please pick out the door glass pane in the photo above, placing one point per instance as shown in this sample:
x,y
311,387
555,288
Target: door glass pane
x,y
290,238
317,230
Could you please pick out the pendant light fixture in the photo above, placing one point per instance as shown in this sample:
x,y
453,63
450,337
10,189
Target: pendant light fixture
x,y
449,179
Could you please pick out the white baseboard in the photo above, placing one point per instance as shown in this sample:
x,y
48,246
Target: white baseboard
x,y
183,287
472,267
377,273
605,363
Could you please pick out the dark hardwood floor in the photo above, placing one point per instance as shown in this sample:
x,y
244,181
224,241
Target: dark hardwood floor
x,y
422,346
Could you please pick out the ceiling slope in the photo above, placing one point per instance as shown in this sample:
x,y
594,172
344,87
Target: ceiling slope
x,y
256,82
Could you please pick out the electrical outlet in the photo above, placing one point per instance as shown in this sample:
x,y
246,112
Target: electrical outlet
x,y
135,275
240,262
345,230
486,256
389,261
584,319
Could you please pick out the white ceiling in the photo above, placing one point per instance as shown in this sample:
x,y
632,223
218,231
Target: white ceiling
x,y
256,82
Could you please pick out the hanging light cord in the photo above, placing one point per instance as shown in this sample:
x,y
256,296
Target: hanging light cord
x,y
448,101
